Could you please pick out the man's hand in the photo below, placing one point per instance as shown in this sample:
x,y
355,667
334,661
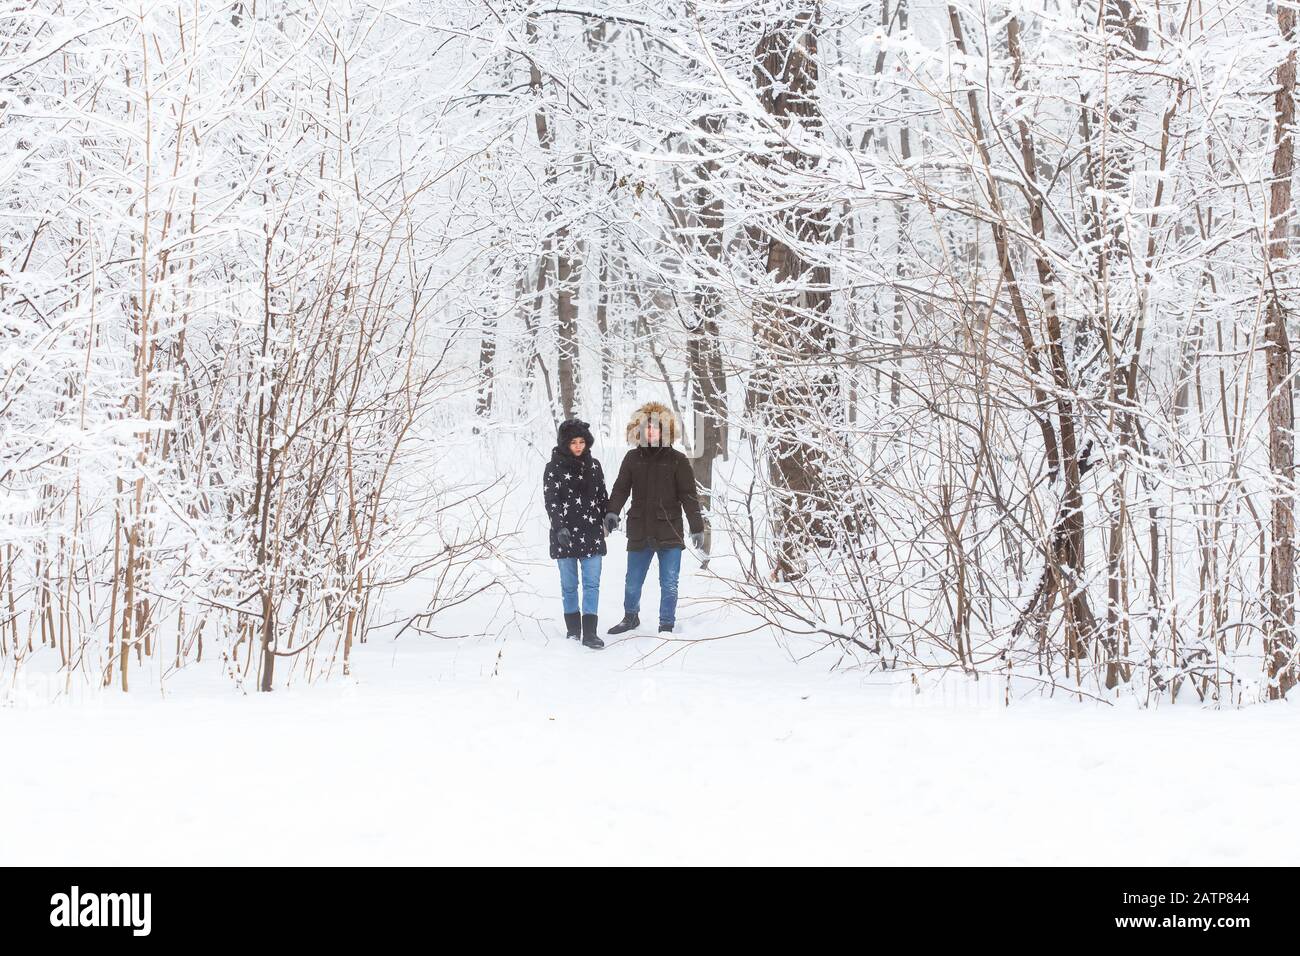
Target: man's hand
x,y
611,523
563,537
697,540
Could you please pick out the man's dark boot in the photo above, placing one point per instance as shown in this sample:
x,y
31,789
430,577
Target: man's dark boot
x,y
589,638
573,625
665,628
629,621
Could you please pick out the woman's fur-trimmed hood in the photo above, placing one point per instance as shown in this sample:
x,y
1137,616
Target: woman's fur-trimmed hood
x,y
669,428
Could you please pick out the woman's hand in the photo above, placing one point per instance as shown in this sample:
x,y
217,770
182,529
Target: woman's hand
x,y
611,523
563,537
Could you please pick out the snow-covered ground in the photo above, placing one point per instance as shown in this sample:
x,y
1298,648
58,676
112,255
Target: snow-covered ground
x,y
522,747
531,749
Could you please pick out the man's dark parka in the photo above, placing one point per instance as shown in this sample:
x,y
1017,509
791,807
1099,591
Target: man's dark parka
x,y
660,482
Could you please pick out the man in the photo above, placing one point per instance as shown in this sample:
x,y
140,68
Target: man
x,y
662,486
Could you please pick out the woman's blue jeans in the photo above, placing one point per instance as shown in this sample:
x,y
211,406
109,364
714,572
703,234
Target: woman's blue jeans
x,y
670,566
590,583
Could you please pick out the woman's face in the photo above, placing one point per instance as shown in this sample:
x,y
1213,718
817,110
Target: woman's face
x,y
577,446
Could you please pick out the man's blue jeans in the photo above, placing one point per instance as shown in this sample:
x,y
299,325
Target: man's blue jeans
x,y
590,583
670,566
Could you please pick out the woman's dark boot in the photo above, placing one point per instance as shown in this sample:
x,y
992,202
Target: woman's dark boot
x,y
589,638
573,625
629,621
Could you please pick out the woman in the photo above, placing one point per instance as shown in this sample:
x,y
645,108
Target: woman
x,y
573,487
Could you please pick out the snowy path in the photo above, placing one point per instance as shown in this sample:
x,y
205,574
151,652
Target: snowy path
x,y
731,754
521,748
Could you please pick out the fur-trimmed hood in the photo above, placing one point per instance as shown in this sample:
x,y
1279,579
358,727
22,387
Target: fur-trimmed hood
x,y
669,428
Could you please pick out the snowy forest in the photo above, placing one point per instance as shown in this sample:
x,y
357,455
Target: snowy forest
x,y
977,315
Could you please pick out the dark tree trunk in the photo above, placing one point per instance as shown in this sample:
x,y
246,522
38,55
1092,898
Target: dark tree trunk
x,y
1279,649
704,350
793,390
566,317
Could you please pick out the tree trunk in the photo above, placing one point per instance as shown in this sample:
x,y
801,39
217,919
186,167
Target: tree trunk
x,y
566,317
487,350
704,351
793,396
606,344
1279,648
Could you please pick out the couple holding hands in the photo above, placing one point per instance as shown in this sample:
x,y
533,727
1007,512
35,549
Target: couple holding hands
x,y
661,484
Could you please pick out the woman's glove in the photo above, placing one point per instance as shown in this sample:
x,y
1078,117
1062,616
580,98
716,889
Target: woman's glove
x,y
611,523
563,537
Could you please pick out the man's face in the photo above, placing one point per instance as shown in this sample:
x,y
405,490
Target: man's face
x,y
577,446
652,434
